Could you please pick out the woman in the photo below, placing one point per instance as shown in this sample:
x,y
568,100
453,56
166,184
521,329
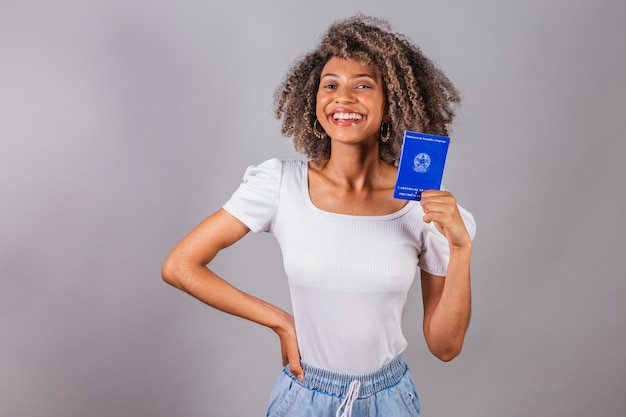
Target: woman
x,y
350,249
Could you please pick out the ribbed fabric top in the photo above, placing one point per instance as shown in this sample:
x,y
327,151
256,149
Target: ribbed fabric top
x,y
348,275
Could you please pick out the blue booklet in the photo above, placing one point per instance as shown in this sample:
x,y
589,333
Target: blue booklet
x,y
421,164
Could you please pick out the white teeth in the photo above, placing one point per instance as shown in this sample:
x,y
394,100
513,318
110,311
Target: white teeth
x,y
347,116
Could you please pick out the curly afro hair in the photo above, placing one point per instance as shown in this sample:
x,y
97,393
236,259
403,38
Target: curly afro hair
x,y
419,96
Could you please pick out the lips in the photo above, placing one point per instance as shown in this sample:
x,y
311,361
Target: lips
x,y
346,117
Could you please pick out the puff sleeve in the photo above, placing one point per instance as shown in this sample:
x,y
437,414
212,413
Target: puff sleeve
x,y
435,253
255,202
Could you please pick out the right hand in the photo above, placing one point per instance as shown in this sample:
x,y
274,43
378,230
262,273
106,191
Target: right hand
x,y
289,348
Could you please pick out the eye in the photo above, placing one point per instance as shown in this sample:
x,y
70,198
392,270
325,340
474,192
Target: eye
x,y
330,86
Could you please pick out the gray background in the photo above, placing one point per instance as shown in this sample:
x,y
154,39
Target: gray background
x,y
125,123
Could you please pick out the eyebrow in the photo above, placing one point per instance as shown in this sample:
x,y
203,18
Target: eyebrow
x,y
330,74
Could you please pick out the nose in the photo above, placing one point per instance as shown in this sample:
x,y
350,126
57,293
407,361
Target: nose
x,y
344,95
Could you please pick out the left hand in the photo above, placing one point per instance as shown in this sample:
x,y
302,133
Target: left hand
x,y
440,207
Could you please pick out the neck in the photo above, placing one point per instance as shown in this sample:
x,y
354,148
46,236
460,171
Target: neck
x,y
354,167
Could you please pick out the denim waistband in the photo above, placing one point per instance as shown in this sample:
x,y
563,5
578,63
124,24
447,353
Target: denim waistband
x,y
338,384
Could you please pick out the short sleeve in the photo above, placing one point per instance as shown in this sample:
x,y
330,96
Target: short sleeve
x,y
255,202
435,253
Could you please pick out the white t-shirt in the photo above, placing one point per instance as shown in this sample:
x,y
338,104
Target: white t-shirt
x,y
348,275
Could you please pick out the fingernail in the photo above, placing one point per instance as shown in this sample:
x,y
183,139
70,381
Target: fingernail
x,y
300,378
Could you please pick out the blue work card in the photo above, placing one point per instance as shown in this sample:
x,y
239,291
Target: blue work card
x,y
421,164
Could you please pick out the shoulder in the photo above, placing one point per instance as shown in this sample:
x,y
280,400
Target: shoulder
x,y
278,164
256,201
276,168
268,165
272,172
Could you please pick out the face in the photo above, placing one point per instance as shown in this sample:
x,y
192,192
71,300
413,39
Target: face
x,y
350,101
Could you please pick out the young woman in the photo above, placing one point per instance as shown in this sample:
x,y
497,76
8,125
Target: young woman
x,y
350,250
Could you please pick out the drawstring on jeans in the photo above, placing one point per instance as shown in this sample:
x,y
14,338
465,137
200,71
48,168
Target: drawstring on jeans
x,y
351,396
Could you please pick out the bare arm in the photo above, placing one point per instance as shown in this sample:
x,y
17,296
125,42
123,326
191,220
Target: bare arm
x,y
185,268
447,301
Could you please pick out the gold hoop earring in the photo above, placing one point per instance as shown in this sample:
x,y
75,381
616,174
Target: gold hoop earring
x,y
385,131
316,132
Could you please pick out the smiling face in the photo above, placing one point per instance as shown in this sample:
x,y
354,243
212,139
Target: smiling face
x,y
350,101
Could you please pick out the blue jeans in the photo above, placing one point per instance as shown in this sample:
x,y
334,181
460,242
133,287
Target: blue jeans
x,y
387,392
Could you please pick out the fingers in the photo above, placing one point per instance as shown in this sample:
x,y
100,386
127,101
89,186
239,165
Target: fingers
x,y
440,207
296,368
291,354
